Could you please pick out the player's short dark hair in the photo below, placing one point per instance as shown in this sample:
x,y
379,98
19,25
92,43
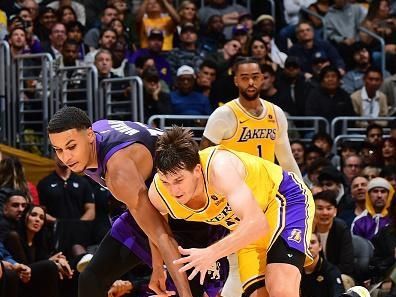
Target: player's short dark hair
x,y
68,118
176,150
243,60
328,196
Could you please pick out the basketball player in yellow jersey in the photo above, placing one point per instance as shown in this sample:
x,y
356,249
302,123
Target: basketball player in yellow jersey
x,y
252,125
269,211
249,123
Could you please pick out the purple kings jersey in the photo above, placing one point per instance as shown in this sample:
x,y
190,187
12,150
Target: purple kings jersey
x,y
112,136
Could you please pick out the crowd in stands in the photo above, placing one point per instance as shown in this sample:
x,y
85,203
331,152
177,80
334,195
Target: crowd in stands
x,y
184,54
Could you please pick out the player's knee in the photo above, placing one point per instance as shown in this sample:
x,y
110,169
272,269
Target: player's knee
x,y
283,291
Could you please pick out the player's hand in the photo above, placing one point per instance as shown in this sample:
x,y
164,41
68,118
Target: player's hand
x,y
199,259
120,288
158,282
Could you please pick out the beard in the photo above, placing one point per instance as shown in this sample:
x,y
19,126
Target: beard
x,y
248,97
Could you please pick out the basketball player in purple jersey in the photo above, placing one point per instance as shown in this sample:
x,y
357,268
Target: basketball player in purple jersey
x,y
119,156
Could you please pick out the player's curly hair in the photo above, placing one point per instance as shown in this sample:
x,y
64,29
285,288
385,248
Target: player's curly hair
x,y
67,118
175,150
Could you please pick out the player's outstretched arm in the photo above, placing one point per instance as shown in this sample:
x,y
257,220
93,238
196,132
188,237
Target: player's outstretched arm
x,y
227,176
127,184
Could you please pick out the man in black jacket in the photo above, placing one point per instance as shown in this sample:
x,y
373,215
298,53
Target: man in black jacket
x,y
320,278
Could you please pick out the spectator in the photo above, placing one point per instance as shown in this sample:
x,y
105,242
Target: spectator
x,y
12,175
66,15
187,11
104,64
346,149
28,246
75,31
154,49
184,100
321,278
211,37
389,151
374,134
241,33
14,203
66,195
321,7
155,100
78,8
307,49
370,154
224,58
384,243
298,151
369,101
46,19
57,38
93,36
187,53
264,24
331,179
230,14
17,41
292,88
342,23
258,49
33,43
389,89
329,100
12,274
151,16
351,168
205,77
389,173
247,21
370,172
70,55
268,90
358,194
120,67
334,234
324,141
33,7
353,79
122,34
380,20
375,217
107,39
314,162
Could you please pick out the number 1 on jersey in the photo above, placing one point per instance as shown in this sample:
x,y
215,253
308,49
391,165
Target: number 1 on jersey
x,y
259,151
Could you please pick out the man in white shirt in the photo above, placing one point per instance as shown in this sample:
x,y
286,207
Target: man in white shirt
x,y
369,101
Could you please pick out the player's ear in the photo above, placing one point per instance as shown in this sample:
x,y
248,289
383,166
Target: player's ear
x,y
198,169
91,135
235,80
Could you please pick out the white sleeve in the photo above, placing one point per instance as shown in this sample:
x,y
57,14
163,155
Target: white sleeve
x,y
283,151
221,125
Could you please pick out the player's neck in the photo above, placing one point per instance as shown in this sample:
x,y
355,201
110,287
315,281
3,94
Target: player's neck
x,y
254,107
93,158
199,198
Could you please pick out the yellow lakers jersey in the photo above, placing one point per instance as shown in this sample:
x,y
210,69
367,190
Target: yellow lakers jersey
x,y
253,135
262,177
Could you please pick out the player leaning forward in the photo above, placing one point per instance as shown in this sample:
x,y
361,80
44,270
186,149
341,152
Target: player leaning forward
x,y
269,211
